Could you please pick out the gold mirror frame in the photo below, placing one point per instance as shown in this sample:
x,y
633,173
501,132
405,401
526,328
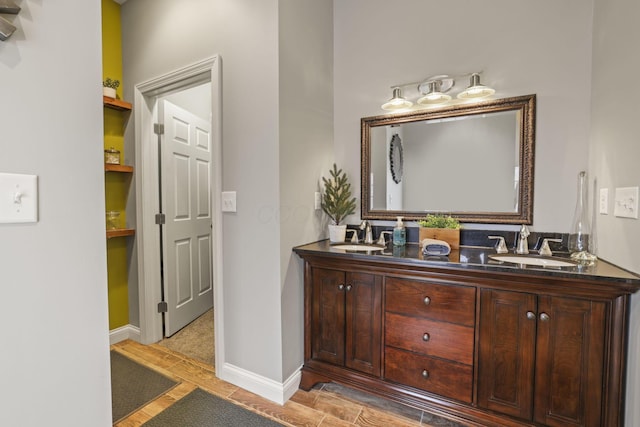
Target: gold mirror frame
x,y
525,105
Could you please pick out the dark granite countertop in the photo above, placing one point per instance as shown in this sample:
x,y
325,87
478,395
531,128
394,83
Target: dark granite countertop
x,y
475,258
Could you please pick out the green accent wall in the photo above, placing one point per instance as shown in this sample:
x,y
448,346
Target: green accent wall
x,y
116,184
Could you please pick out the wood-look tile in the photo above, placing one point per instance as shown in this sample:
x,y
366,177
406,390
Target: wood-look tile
x,y
142,353
306,398
291,413
329,421
365,399
328,405
205,379
338,408
370,417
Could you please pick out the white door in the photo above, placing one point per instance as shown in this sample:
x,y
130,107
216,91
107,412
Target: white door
x,y
186,203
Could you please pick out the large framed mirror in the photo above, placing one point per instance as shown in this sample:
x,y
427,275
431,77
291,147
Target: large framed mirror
x,y
472,161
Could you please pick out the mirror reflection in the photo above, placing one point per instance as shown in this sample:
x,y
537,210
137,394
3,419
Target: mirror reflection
x,y
472,161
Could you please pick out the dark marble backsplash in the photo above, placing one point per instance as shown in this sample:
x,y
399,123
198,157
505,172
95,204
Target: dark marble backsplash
x,y
480,237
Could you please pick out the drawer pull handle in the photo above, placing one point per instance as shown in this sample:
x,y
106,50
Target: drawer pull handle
x,y
348,288
531,315
341,287
426,337
544,317
427,300
425,374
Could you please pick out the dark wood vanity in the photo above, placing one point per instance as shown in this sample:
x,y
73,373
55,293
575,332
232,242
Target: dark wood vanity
x,y
481,343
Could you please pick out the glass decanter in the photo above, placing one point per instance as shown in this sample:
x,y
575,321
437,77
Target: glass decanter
x,y
580,235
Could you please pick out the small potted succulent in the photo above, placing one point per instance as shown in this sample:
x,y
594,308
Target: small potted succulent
x,y
337,202
109,87
440,227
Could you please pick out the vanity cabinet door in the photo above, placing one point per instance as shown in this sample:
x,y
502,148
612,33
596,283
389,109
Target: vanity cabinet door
x,y
541,358
328,324
506,352
569,361
346,322
363,322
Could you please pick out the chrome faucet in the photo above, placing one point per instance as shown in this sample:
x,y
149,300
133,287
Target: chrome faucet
x,y
381,239
368,235
354,236
523,243
501,246
545,249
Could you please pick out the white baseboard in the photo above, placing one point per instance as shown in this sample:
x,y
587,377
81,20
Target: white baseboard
x,y
265,387
124,333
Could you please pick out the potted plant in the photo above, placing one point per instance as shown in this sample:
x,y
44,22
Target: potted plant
x,y
109,87
337,202
440,227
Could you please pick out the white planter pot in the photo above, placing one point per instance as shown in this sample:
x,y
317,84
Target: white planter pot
x,y
337,233
109,92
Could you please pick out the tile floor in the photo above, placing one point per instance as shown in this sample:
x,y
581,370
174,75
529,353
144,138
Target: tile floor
x,y
327,405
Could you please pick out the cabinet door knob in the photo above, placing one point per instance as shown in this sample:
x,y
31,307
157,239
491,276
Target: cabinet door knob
x,y
544,317
531,315
348,288
341,287
425,374
427,300
426,337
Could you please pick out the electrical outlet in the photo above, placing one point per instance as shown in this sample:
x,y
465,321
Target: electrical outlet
x,y
626,205
604,201
317,202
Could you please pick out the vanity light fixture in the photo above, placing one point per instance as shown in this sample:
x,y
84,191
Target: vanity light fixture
x,y
475,89
433,91
434,95
397,101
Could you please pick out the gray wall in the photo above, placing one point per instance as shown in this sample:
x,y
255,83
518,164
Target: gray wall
x,y
541,47
54,362
152,46
276,140
306,149
614,152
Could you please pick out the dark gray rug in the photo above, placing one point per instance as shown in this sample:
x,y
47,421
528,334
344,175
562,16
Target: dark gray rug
x,y
133,385
201,409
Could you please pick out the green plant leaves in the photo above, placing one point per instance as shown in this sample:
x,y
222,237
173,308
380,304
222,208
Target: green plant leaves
x,y
439,221
337,202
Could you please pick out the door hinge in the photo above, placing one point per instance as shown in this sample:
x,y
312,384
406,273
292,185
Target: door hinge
x,y
162,307
158,128
160,218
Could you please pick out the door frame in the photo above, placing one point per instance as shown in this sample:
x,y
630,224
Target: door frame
x,y
149,246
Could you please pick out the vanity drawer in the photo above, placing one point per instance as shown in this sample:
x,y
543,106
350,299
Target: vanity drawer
x,y
450,303
432,338
437,376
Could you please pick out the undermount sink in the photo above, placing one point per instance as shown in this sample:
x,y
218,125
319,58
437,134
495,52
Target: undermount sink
x,y
533,260
357,247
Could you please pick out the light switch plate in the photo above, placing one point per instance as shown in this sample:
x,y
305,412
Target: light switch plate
x,y
626,205
18,198
317,201
604,201
228,201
